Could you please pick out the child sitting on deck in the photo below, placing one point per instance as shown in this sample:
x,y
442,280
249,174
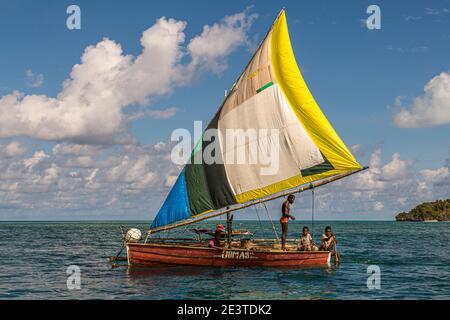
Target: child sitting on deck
x,y
306,241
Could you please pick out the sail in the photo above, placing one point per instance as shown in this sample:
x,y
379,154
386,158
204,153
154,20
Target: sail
x,y
271,94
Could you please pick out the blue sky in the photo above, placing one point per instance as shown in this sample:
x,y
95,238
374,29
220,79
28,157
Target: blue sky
x,y
356,75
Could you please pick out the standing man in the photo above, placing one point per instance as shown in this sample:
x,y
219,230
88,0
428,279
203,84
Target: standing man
x,y
285,215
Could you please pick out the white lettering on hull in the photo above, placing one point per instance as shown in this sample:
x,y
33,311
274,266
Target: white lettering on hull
x,y
240,255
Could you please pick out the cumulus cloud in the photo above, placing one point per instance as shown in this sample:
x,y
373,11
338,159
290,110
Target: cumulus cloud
x,y
34,80
90,107
88,179
356,148
163,114
38,156
13,149
436,175
437,12
396,169
155,114
170,181
134,179
76,149
217,41
431,109
384,190
378,206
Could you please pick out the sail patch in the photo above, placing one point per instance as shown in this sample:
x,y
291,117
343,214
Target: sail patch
x,y
270,111
265,87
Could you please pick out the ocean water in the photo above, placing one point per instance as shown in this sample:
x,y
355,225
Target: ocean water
x,y
414,260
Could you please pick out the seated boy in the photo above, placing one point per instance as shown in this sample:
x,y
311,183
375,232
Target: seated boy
x,y
306,241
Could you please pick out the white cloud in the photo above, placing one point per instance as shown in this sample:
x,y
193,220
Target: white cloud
x,y
155,114
370,179
170,181
116,180
412,18
435,175
90,107
209,49
13,149
80,162
356,148
378,206
37,157
75,149
34,80
436,12
132,180
386,188
396,169
431,109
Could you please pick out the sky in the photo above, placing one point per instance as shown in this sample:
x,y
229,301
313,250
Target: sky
x,y
86,115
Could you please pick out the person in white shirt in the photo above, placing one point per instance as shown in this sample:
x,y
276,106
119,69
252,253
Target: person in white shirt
x,y
306,241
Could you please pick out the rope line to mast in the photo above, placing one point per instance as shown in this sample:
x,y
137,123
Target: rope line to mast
x,y
273,226
259,219
257,201
312,211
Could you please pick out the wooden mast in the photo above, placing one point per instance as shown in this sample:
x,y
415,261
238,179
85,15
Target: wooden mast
x,y
252,203
229,228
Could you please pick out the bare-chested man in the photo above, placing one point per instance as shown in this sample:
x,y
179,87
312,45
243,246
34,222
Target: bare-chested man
x,y
285,215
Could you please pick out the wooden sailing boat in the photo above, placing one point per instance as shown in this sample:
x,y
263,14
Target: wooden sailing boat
x,y
270,94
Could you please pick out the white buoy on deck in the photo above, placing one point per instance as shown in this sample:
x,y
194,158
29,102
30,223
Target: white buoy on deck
x,y
133,235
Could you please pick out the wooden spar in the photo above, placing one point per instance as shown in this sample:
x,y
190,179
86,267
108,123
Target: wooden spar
x,y
249,204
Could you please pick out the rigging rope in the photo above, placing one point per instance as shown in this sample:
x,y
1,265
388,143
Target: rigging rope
x,y
312,212
259,219
273,226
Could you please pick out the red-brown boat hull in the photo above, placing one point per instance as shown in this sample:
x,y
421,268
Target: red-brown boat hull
x,y
160,254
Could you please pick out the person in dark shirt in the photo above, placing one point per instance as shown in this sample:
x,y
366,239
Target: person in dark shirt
x,y
217,236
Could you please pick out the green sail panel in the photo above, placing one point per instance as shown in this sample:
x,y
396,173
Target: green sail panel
x,y
197,188
218,185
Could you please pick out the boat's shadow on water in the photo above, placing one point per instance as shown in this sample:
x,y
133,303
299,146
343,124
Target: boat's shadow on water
x,y
183,271
236,283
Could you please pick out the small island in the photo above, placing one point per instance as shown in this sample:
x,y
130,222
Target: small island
x,y
429,211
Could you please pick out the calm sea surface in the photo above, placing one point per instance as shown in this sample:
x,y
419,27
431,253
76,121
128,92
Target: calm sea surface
x,y
414,259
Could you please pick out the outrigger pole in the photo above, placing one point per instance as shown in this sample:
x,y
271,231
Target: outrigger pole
x,y
252,203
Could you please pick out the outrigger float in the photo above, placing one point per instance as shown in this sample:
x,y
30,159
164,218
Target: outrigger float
x,y
269,94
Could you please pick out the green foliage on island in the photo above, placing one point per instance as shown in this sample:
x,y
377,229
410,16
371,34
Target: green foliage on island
x,y
438,210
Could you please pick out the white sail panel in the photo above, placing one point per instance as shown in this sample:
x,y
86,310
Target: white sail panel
x,y
267,110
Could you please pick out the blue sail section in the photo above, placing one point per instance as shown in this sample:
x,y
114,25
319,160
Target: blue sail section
x,y
176,206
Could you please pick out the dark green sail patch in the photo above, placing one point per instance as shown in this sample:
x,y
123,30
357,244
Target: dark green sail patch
x,y
264,87
319,168
197,188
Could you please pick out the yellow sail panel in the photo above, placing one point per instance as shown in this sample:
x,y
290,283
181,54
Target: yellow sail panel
x,y
300,99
